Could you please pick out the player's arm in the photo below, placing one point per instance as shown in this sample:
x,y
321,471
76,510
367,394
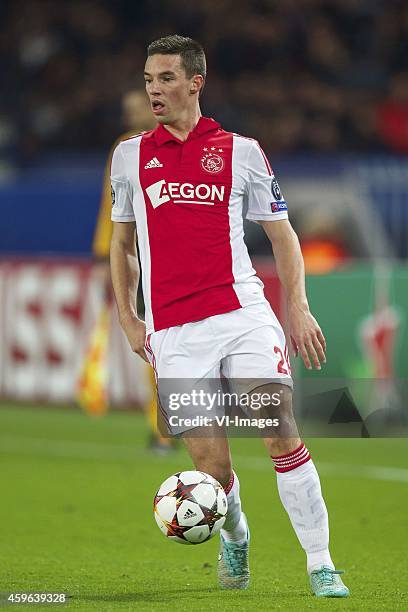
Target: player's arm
x,y
267,206
125,274
123,255
306,336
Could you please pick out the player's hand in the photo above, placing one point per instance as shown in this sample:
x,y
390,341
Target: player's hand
x,y
307,338
135,330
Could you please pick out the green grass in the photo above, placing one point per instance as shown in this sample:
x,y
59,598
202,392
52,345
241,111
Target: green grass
x,y
76,517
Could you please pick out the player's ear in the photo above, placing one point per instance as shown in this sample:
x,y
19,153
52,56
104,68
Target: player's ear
x,y
196,84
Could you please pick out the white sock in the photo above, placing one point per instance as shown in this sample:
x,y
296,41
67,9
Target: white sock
x,y
235,526
301,495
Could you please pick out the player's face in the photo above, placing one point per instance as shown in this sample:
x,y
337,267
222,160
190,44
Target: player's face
x,y
168,87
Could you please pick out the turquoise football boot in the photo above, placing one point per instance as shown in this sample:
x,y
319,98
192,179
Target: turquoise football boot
x,y
326,582
233,564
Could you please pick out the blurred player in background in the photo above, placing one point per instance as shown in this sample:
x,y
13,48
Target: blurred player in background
x,y
136,117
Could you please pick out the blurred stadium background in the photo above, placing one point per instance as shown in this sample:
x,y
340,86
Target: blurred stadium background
x,y
323,85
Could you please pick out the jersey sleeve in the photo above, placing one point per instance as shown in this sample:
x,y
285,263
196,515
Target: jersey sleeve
x,y
121,190
264,197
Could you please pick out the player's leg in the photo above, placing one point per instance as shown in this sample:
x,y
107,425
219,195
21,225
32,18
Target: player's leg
x,y
301,495
210,453
194,348
261,353
298,483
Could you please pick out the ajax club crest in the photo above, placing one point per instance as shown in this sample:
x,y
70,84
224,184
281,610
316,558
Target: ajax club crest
x,y
211,161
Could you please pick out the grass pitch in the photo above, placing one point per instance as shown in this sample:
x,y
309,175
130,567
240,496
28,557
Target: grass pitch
x,y
76,517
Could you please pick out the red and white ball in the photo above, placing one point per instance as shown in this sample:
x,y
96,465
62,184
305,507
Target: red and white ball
x,y
190,507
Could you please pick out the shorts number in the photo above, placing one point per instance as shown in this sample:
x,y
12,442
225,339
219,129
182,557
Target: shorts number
x,y
282,362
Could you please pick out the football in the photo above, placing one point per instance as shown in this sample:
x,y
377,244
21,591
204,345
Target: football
x,y
190,507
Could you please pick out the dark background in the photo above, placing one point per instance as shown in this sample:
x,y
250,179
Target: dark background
x,y
322,84
302,75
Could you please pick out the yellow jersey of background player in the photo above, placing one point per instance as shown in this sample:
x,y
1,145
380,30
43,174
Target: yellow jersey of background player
x,y
136,118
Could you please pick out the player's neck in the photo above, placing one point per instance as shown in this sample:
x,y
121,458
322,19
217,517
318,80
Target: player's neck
x,y
184,125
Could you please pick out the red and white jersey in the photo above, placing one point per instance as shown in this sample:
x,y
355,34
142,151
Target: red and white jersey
x,y
187,199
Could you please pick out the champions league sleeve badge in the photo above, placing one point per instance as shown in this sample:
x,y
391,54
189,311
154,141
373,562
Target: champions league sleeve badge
x,y
280,204
276,192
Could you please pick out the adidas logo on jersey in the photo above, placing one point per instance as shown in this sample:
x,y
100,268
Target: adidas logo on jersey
x,y
153,163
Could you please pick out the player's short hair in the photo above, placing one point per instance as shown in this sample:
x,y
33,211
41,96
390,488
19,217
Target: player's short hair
x,y
191,53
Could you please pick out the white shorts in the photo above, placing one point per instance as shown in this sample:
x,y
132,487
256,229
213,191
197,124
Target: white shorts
x,y
246,344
